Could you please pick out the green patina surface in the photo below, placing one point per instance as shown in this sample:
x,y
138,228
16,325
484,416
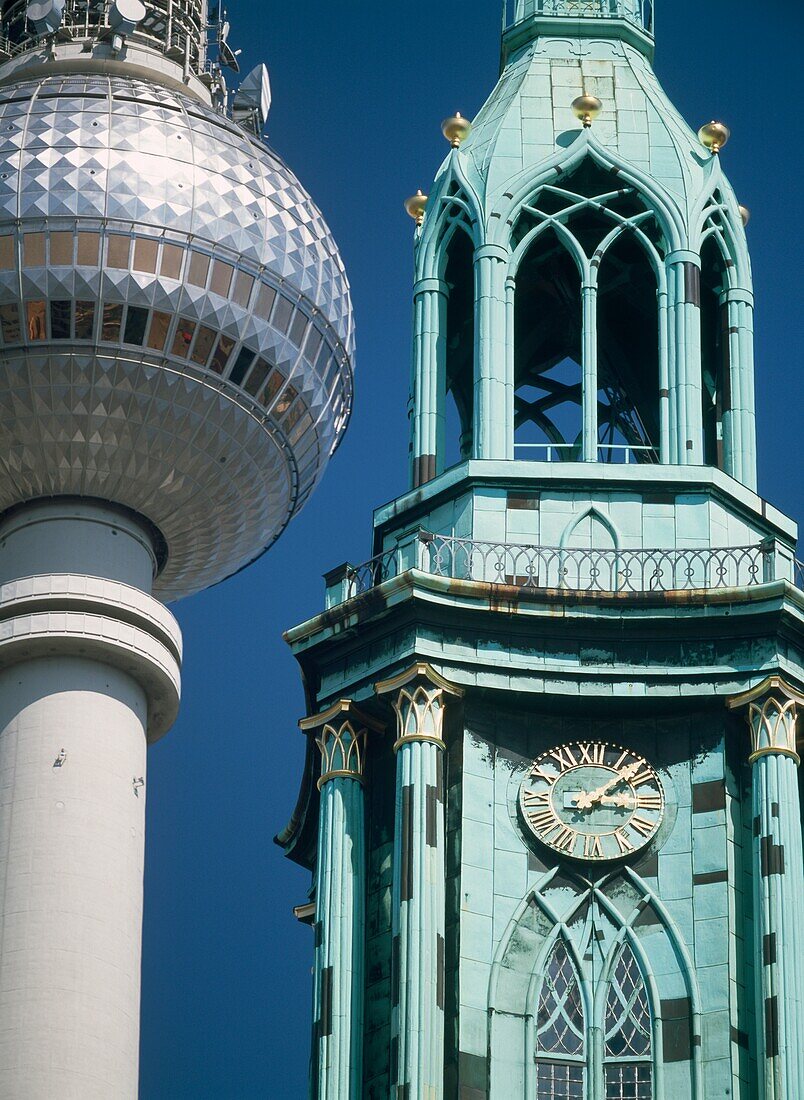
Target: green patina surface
x,y
654,455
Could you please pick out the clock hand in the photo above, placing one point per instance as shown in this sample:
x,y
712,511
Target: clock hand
x,y
587,801
623,800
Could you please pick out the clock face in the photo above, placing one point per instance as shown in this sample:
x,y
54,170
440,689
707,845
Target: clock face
x,y
590,801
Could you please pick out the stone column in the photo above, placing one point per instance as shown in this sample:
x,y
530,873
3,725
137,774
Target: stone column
x,y
429,382
418,901
772,710
339,981
491,419
686,408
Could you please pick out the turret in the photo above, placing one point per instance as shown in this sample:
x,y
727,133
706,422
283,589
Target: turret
x,y
583,285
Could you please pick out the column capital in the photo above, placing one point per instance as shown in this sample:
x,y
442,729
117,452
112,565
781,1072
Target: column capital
x,y
342,737
772,710
492,252
418,700
432,285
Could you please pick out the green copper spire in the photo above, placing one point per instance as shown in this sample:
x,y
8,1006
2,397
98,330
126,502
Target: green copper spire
x,y
631,20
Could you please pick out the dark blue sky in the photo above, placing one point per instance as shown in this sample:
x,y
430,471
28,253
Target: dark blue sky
x,y
359,93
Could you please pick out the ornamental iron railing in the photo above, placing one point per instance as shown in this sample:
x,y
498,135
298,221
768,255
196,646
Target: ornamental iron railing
x,y
640,12
569,568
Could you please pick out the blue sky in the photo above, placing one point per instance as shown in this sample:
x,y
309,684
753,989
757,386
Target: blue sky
x,y
359,93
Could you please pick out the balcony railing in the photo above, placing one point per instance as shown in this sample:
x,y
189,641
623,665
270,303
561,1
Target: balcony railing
x,y
570,568
639,12
624,454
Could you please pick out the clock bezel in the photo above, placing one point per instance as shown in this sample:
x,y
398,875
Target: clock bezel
x,y
563,759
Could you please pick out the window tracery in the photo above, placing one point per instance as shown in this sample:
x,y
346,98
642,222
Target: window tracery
x,y
560,1030
627,1032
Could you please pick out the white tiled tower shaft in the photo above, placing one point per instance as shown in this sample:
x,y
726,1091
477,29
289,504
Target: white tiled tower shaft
x,y
88,671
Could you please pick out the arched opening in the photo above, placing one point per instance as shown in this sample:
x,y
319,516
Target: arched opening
x,y
715,381
566,338
561,1052
628,354
548,336
460,347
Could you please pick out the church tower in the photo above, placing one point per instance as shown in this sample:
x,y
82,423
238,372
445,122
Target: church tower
x,y
551,802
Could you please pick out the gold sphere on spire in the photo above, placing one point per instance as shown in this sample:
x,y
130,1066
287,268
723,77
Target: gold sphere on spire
x,y
587,108
416,206
456,129
745,214
714,136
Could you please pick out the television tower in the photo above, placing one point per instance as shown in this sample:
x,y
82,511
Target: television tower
x,y
176,342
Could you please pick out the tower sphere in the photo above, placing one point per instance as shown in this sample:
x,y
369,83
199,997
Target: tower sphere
x,y
175,319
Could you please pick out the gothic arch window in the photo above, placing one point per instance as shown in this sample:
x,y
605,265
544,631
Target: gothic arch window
x,y
560,1030
588,253
459,274
627,1032
715,368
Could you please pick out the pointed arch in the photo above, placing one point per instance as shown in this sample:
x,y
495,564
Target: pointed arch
x,y
560,1025
597,518
563,163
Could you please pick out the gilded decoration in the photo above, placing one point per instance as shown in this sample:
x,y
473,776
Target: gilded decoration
x,y
772,711
419,704
342,738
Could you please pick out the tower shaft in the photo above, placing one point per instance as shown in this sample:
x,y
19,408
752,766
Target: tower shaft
x,y
89,670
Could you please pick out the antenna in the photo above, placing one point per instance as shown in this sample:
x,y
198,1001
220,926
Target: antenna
x,y
228,56
252,101
45,16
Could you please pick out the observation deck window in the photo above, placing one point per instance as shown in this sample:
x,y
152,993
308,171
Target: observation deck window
x,y
158,330
84,320
61,318
145,253
221,356
203,345
199,269
244,284
37,327
112,320
171,261
136,322
221,280
8,253
61,249
33,249
257,375
185,330
88,249
10,323
118,251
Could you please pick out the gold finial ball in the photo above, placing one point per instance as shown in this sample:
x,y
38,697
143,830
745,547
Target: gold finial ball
x,y
456,129
745,214
714,136
416,206
587,108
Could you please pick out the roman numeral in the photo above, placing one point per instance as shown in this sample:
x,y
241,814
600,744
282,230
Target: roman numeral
x,y
536,798
564,757
642,777
623,757
592,848
642,825
649,801
623,843
591,754
565,841
539,771
543,820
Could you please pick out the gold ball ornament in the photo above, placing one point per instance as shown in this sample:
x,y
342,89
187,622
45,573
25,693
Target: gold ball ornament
x,y
415,207
714,135
456,129
587,108
745,214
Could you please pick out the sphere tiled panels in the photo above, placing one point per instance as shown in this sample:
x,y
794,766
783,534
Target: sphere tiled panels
x,y
151,252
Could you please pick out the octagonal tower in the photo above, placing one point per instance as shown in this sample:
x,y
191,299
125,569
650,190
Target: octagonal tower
x,y
551,804
175,345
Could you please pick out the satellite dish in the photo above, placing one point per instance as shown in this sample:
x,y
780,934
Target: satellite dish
x,y
45,16
124,15
228,56
252,101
